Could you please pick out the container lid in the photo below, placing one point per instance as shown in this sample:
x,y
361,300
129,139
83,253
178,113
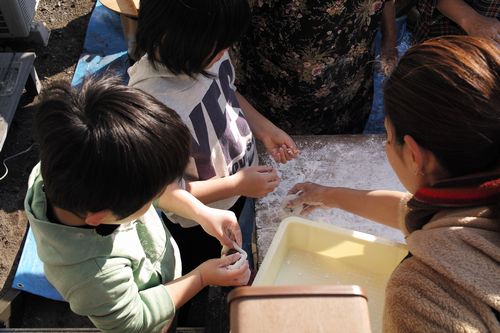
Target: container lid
x,y
295,291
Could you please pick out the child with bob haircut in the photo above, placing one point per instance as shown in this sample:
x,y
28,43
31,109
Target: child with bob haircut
x,y
187,67
442,106
107,152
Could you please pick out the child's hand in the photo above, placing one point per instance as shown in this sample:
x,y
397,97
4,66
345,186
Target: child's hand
x,y
280,145
221,224
257,181
310,196
215,272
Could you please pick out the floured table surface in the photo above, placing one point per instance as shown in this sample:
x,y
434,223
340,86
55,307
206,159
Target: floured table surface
x,y
355,161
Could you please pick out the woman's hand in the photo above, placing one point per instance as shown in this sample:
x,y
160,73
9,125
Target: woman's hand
x,y
388,59
473,23
215,272
389,52
256,181
310,196
221,224
482,26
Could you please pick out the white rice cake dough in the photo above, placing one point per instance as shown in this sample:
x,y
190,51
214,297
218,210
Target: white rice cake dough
x,y
240,261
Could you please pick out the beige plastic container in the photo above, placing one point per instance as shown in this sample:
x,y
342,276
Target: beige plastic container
x,y
298,309
305,252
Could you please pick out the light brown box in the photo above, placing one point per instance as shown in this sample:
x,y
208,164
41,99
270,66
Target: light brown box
x,y
298,309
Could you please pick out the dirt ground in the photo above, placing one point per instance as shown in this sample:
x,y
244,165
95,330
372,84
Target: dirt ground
x,y
67,21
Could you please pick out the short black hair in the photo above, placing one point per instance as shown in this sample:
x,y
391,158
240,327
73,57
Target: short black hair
x,y
107,146
185,35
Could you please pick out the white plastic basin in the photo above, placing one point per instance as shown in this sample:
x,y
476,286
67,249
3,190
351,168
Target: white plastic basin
x,y
310,252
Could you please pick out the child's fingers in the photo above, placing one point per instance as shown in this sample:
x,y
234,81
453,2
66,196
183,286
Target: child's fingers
x,y
271,176
244,278
234,234
291,154
290,151
274,152
232,276
226,240
228,260
282,154
241,275
279,154
273,183
265,169
276,155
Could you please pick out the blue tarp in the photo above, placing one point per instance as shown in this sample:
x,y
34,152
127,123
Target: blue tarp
x,y
105,48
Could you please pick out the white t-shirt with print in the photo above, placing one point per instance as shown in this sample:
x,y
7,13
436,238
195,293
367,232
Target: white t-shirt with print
x,y
221,140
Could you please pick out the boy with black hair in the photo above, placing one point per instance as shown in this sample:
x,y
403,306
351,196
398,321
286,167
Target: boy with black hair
x,y
107,152
187,67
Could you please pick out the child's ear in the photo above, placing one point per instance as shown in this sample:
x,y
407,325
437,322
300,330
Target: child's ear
x,y
97,218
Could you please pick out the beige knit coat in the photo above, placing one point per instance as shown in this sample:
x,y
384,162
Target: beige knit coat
x,y
451,283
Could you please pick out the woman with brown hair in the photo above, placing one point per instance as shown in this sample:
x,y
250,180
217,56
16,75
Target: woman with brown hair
x,y
443,141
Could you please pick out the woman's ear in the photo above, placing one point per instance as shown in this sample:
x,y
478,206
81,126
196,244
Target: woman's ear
x,y
97,218
417,155
424,163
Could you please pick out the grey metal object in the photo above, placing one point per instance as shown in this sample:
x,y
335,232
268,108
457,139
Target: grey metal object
x,y
39,33
16,17
16,73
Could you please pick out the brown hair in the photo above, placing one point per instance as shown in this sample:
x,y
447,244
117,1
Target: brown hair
x,y
445,93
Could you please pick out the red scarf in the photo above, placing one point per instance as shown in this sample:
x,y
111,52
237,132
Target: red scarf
x,y
469,191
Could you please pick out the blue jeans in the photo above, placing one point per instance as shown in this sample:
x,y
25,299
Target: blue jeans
x,y
247,225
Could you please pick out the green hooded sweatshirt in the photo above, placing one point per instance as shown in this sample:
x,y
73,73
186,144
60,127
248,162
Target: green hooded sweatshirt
x,y
116,280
